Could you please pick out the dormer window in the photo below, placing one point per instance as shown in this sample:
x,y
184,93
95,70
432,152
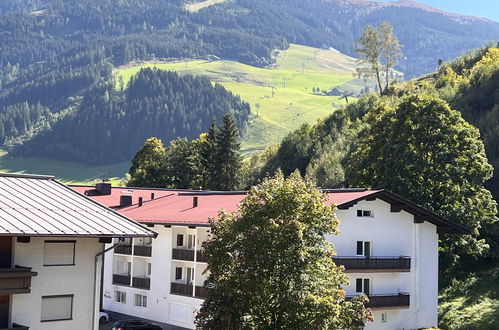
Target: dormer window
x,y
365,213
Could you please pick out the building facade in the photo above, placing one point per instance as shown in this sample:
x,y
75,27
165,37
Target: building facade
x,y
388,246
51,240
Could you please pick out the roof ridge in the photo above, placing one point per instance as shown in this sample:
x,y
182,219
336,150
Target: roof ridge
x,y
26,176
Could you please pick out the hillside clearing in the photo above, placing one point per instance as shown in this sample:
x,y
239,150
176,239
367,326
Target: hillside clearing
x,y
195,6
281,97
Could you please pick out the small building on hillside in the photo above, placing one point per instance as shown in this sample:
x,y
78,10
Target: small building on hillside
x,y
51,244
387,244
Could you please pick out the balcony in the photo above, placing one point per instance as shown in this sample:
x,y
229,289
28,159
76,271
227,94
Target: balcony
x,y
15,280
201,257
139,250
16,326
123,249
183,254
142,250
183,289
137,282
374,264
388,301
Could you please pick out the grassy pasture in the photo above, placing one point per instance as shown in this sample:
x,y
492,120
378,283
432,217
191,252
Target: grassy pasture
x,y
195,6
281,96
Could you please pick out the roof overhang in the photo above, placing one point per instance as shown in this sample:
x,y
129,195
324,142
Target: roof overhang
x,y
398,203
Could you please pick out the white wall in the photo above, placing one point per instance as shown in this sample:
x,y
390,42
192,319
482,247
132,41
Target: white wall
x,y
56,280
392,234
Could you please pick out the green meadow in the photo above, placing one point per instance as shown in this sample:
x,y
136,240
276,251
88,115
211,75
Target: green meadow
x,y
195,6
281,97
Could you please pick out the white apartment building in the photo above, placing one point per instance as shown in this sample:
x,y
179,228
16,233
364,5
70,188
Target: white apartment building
x,y
388,245
51,239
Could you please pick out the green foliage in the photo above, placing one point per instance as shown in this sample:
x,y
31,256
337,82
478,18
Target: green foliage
x,y
379,50
110,125
270,265
210,162
426,152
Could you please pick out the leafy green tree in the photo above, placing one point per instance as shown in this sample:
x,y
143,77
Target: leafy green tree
x,y
426,152
146,165
270,265
379,50
227,159
183,168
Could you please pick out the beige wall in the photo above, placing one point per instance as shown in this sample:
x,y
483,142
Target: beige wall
x,y
56,280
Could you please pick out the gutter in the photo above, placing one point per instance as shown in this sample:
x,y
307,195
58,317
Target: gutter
x,y
95,278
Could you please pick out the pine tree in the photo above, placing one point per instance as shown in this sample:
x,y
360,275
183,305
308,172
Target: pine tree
x,y
228,160
208,156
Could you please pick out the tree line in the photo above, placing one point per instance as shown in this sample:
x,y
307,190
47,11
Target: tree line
x,y
110,124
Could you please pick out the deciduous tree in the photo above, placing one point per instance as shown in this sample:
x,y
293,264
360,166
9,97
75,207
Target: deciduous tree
x,y
270,265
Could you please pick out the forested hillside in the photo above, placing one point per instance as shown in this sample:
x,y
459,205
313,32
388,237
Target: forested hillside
x,y
110,125
417,141
54,51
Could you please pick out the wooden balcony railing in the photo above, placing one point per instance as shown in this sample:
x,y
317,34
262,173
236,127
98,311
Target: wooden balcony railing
x,y
142,250
183,254
183,289
200,257
123,249
141,283
121,279
397,300
374,264
137,282
16,326
15,280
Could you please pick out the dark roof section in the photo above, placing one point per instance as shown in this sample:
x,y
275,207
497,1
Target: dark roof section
x,y
398,203
39,205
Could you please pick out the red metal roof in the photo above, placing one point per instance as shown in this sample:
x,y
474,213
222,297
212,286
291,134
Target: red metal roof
x,y
176,206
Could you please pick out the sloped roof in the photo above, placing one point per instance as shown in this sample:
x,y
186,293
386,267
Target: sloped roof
x,y
37,205
176,206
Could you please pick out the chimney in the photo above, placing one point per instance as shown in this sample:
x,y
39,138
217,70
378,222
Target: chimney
x,y
103,188
152,196
195,201
140,201
125,200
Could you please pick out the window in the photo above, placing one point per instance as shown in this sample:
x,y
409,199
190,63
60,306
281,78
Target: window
x,y
59,253
140,300
120,297
190,274
124,267
148,240
57,308
149,268
180,239
178,273
363,285
363,248
191,240
365,213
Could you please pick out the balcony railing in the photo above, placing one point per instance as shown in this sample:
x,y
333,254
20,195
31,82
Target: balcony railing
x,y
374,264
138,250
15,280
183,289
123,249
200,257
141,283
397,300
137,282
16,326
121,279
183,254
142,250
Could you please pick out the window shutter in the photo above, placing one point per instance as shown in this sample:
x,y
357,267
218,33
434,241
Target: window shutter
x,y
57,308
59,253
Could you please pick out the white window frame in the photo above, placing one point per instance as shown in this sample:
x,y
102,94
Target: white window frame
x,y
363,285
141,299
120,297
149,268
363,254
183,240
365,213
